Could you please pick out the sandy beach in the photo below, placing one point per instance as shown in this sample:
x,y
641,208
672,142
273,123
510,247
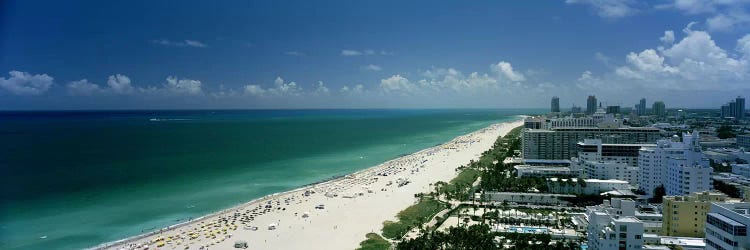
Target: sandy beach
x,y
335,214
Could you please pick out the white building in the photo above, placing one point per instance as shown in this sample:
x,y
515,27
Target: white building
x,y
598,160
613,225
726,226
680,166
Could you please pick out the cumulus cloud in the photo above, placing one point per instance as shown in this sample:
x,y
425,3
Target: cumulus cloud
x,y
83,87
254,89
397,83
695,62
609,8
281,88
184,43
506,70
321,89
725,15
183,86
356,89
23,83
668,38
372,67
119,84
728,21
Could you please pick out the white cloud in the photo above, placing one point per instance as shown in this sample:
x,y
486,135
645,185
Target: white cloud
x,y
119,84
743,46
372,67
321,89
349,52
695,62
254,89
183,86
184,43
602,58
728,21
356,89
668,38
283,88
23,83
294,53
83,87
506,70
609,8
397,83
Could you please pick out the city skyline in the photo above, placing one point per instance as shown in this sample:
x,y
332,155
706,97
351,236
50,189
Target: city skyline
x,y
264,55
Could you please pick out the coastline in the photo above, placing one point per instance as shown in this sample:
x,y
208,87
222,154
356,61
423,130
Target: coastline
x,y
222,228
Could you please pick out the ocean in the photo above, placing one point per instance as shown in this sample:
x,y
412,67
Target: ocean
x,y
76,179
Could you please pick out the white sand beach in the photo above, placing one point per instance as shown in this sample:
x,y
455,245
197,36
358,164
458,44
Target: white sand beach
x,y
352,206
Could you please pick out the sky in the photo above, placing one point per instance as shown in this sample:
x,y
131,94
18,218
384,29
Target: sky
x,y
371,54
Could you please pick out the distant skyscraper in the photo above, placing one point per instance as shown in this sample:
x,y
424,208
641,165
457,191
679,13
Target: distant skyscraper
x,y
725,112
740,107
733,109
659,108
591,105
555,104
641,110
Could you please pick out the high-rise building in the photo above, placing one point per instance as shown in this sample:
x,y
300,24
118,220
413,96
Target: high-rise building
x,y
598,160
726,226
613,225
725,111
641,107
613,109
733,109
680,166
685,216
555,105
561,143
591,105
739,111
659,109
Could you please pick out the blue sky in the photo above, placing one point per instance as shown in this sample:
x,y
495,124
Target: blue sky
x,y
368,54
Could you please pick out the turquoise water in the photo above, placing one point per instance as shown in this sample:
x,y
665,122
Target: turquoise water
x,y
85,178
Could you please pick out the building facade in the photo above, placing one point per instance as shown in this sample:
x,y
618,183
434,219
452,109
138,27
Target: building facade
x,y
613,225
680,166
641,110
608,161
726,226
555,105
561,143
591,104
685,216
659,109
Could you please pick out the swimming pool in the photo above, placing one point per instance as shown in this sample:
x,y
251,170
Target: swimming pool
x,y
528,230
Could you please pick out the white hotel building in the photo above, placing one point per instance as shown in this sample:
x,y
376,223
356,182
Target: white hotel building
x,y
680,166
726,226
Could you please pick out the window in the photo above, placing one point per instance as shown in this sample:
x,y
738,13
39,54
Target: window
x,y
623,228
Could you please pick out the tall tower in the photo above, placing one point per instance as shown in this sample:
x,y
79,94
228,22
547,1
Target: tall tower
x,y
642,107
739,107
555,105
591,105
659,108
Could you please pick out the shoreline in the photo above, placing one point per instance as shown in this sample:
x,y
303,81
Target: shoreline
x,y
330,188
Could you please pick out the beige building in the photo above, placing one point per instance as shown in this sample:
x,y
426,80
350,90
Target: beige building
x,y
685,216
